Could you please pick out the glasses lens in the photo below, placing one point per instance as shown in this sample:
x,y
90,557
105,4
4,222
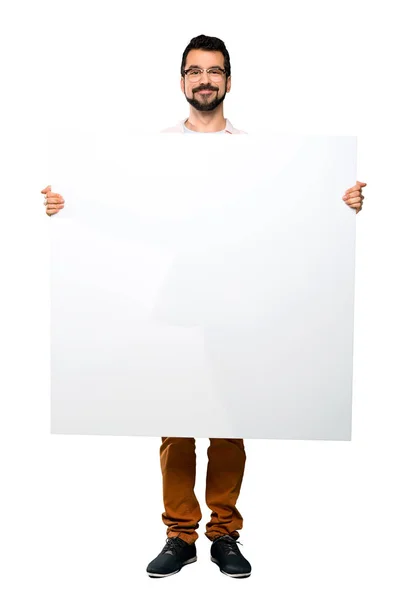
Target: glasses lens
x,y
194,75
216,75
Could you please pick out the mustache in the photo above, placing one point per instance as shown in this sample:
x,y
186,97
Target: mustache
x,y
205,87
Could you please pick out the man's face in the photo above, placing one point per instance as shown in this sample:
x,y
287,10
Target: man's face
x,y
205,95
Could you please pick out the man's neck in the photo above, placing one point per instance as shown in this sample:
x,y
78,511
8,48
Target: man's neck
x,y
206,122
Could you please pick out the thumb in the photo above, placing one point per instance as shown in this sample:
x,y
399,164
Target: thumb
x,y
361,183
46,189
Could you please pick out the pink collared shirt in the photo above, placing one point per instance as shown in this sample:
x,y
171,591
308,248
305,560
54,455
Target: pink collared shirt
x,y
179,128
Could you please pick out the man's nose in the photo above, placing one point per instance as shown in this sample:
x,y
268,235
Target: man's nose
x,y
204,77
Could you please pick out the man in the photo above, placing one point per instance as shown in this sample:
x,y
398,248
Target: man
x,y
205,81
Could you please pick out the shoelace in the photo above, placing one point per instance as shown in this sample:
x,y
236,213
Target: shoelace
x,y
229,544
172,545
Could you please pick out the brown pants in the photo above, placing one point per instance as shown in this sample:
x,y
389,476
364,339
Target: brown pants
x,y
226,461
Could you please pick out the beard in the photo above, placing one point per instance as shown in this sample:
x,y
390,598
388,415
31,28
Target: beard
x,y
205,105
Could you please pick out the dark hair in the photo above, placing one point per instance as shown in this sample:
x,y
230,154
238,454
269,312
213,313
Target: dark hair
x,y
205,42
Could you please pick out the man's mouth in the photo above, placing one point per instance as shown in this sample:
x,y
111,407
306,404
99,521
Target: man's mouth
x,y
204,92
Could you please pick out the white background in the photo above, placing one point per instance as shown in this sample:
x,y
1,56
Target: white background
x,y
80,516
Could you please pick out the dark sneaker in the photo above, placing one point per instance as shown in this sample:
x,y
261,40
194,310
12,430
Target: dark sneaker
x,y
226,554
175,554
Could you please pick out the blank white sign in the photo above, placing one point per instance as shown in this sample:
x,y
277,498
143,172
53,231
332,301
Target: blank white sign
x,y
202,286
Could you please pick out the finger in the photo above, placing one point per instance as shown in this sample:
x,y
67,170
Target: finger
x,y
358,186
356,194
351,201
46,189
53,195
52,211
53,200
53,203
56,206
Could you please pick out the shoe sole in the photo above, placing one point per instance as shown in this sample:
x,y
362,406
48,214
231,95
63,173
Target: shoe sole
x,y
160,575
236,576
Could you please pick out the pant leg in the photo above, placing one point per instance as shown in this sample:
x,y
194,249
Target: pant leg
x,y
178,466
226,462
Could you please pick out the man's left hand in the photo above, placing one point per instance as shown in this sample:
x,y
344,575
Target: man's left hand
x,y
353,196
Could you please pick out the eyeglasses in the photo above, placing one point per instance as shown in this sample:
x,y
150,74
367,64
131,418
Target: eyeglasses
x,y
215,74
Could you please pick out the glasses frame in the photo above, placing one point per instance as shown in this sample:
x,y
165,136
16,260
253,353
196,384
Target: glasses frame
x,y
186,71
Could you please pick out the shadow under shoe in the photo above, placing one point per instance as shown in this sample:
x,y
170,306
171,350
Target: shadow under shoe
x,y
176,554
226,554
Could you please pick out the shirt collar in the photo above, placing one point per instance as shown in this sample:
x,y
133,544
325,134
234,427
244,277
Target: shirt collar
x,y
228,126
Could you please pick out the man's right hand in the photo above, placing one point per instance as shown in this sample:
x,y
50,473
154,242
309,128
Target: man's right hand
x,y
53,202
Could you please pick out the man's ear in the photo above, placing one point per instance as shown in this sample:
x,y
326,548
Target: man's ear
x,y
182,85
228,84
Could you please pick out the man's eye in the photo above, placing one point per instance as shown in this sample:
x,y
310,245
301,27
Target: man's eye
x,y
194,72
215,71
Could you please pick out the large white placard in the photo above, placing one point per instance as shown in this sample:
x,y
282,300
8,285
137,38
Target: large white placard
x,y
202,286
